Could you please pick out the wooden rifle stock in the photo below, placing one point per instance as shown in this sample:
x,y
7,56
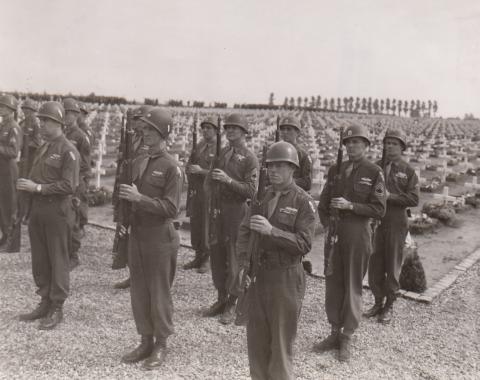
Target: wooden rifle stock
x,y
277,131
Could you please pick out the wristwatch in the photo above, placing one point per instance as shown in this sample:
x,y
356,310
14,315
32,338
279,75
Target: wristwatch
x,y
38,188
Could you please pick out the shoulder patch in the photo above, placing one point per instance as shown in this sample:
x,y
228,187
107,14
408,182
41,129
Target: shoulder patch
x,y
379,188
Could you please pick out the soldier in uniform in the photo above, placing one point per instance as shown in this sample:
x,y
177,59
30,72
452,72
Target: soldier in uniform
x,y
362,198
10,144
197,169
80,202
289,131
386,261
139,149
53,180
82,123
31,130
153,241
237,176
286,227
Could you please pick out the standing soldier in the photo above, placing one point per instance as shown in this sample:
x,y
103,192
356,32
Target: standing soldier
x,y
197,169
80,202
289,131
286,227
10,143
362,197
82,123
31,129
139,149
237,174
153,241
386,261
52,182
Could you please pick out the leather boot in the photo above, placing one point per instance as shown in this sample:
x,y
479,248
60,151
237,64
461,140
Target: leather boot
x,y
144,350
204,265
217,308
53,318
331,342
228,315
375,309
125,284
40,311
158,355
386,314
195,263
345,348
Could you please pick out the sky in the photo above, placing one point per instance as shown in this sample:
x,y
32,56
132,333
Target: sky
x,y
239,51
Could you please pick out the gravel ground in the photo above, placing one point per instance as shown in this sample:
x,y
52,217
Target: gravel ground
x,y
437,341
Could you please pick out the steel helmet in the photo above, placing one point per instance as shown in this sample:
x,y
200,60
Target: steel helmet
x,y
291,121
9,101
211,120
53,111
283,151
160,119
70,104
141,111
83,108
356,130
237,120
396,134
29,104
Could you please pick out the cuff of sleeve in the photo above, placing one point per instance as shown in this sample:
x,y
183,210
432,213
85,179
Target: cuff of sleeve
x,y
144,201
276,232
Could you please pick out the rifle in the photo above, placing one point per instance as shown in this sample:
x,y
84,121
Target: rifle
x,y
120,243
191,189
243,303
213,210
331,241
277,131
23,202
118,171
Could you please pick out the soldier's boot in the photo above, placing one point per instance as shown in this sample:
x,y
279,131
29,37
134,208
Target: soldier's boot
x,y
376,309
39,312
217,308
345,351
143,351
331,342
74,261
228,315
53,318
158,355
195,263
204,265
386,314
125,284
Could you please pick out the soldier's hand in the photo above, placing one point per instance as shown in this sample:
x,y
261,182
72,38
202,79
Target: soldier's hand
x,y
341,204
193,169
129,193
244,277
26,185
260,224
387,193
221,176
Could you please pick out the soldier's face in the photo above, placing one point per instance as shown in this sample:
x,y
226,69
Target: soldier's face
x,y
70,117
4,110
27,112
393,148
233,132
48,128
151,137
288,133
208,132
356,147
280,173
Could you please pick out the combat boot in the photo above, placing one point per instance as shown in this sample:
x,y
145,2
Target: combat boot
x,y
217,308
345,348
144,350
40,311
331,342
53,318
204,265
375,309
125,284
158,355
195,263
386,314
228,315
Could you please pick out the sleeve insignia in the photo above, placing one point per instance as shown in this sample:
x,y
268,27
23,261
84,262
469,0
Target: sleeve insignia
x,y
72,155
379,188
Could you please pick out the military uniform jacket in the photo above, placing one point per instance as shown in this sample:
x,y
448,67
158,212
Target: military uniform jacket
x,y
364,187
293,222
203,156
303,175
242,166
10,140
159,179
56,167
81,141
88,131
31,128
